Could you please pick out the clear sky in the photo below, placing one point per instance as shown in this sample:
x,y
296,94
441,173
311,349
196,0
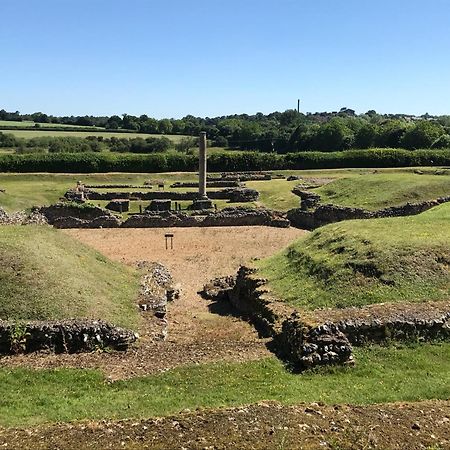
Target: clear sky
x,y
209,57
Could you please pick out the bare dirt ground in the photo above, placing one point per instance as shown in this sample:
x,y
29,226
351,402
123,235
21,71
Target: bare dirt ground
x,y
421,425
195,333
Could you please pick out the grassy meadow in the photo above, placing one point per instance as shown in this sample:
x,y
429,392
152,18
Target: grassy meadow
x,y
28,134
30,124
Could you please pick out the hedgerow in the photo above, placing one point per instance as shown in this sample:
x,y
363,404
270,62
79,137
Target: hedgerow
x,y
91,162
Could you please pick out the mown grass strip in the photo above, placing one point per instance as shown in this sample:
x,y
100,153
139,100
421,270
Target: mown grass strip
x,y
382,374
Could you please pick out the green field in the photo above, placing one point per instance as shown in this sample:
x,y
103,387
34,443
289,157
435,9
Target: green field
x,y
381,375
31,124
47,275
28,134
359,262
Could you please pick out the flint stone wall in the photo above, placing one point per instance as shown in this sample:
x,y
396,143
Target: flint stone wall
x,y
60,210
70,336
233,194
306,344
159,205
118,205
73,217
210,184
245,176
117,186
225,217
325,214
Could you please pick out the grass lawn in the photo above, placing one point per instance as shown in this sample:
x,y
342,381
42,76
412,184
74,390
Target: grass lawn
x,y
359,262
382,374
378,190
46,274
276,194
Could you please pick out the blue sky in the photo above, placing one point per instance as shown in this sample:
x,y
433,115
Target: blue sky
x,y
209,58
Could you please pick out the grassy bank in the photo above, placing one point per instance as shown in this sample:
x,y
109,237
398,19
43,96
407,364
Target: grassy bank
x,y
379,190
360,262
30,397
48,275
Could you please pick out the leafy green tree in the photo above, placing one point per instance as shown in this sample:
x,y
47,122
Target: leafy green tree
x,y
165,126
114,122
185,144
422,135
391,133
366,136
334,136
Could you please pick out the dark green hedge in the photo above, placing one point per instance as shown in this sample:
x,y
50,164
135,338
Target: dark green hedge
x,y
218,162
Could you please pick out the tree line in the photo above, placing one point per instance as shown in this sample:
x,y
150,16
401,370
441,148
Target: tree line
x,y
279,132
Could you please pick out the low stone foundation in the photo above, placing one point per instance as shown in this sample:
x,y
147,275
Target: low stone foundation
x,y
69,336
245,176
325,214
118,205
69,216
233,194
159,205
209,184
225,217
322,337
156,290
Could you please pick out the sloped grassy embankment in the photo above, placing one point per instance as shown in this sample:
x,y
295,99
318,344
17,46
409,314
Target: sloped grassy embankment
x,y
46,275
361,262
380,190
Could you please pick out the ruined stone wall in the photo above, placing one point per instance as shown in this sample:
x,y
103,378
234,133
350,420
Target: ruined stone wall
x,y
233,194
325,214
70,336
309,339
67,216
225,217
211,184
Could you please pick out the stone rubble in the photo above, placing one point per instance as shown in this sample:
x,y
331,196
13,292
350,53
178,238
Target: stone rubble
x,y
66,336
330,340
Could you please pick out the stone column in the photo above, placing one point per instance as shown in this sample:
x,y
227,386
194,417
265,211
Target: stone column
x,y
202,166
